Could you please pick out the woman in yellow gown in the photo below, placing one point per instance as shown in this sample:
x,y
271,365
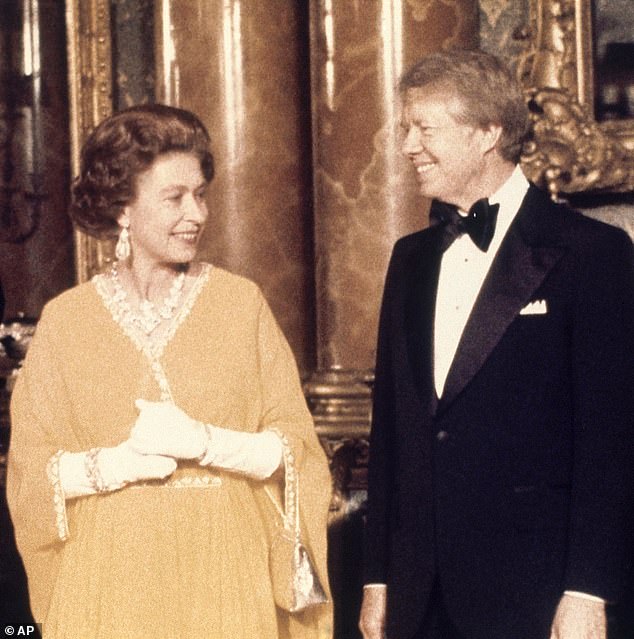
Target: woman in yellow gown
x,y
156,404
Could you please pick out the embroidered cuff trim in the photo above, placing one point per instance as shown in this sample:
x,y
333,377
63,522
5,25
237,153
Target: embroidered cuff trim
x,y
59,499
290,511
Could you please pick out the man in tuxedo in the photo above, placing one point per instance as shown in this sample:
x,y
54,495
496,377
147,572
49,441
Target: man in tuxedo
x,y
500,487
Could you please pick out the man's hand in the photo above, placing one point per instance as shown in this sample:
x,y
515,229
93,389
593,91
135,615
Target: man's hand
x,y
372,618
579,618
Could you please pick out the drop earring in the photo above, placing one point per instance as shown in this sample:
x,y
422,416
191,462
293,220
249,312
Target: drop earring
x,y
122,249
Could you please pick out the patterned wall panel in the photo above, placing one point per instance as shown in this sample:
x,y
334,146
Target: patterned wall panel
x,y
133,52
503,28
36,243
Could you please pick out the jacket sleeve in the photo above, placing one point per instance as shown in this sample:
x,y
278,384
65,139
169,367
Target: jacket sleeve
x,y
380,468
601,542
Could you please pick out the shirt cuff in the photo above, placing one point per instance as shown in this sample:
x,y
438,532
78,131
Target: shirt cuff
x,y
572,593
584,595
374,586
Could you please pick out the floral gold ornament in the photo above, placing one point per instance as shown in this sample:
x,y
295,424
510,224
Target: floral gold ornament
x,y
569,150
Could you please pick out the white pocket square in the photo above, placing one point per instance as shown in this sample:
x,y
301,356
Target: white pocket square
x,y
538,307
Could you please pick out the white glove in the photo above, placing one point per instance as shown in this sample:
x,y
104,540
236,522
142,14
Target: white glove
x,y
123,465
257,455
117,467
164,429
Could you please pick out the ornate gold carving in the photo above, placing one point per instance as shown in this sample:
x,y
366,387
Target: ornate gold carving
x,y
348,466
570,151
90,86
340,401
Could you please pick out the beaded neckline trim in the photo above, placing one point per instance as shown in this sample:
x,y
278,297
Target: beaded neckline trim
x,y
147,317
153,348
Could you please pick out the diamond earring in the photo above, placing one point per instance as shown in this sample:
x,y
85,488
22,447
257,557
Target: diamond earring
x,y
122,249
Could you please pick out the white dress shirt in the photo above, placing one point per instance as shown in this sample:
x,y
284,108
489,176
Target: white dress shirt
x,y
463,269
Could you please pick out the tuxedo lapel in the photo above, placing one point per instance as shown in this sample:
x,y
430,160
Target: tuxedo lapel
x,y
519,268
420,304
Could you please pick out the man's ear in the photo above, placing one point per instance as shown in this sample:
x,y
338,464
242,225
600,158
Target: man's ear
x,y
490,137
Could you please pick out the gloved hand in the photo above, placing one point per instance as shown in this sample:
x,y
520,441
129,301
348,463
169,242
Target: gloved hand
x,y
123,465
117,467
164,429
257,455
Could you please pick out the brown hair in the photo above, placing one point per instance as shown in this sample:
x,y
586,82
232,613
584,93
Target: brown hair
x,y
119,149
485,87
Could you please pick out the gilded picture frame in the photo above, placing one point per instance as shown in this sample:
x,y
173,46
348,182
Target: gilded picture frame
x,y
89,54
570,152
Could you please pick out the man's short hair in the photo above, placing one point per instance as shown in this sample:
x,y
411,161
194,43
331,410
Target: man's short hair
x,y
486,89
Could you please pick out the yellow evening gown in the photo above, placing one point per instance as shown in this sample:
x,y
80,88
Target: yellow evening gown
x,y
176,559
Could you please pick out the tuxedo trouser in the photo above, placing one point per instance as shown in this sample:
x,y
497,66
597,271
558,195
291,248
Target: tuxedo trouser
x,y
436,623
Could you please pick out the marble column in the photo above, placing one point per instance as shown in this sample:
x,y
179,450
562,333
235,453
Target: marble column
x,y
242,66
365,197
365,191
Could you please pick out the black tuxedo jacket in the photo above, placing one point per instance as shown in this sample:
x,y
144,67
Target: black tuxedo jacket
x,y
517,484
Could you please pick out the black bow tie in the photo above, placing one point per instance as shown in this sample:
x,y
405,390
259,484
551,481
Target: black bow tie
x,y
479,223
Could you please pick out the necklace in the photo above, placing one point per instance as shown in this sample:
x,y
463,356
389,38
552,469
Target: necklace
x,y
147,317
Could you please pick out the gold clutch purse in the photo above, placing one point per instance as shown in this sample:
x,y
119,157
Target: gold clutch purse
x,y
296,585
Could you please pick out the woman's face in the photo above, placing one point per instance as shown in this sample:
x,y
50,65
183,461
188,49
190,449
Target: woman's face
x,y
168,214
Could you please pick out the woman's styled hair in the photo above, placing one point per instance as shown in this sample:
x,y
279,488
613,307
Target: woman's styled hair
x,y
121,148
485,88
